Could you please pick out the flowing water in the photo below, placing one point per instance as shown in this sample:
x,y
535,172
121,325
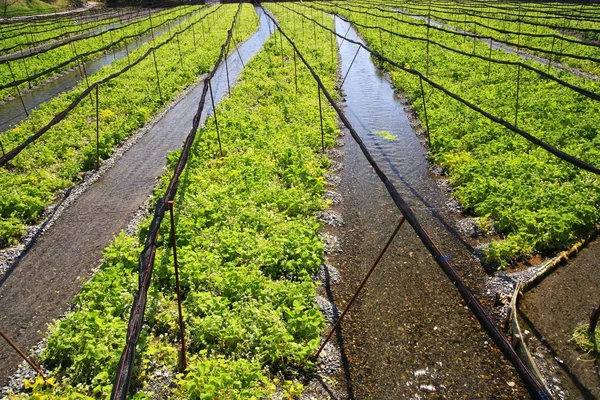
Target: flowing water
x,y
410,334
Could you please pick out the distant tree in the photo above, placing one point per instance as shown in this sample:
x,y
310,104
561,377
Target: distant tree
x,y
5,4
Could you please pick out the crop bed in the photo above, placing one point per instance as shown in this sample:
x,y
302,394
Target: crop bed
x,y
515,136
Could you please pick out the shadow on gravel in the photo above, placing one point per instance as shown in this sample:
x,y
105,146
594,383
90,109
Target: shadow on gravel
x,y
584,391
339,339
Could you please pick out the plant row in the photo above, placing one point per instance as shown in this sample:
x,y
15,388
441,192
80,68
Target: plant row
x,y
534,200
247,246
513,31
31,181
48,61
32,36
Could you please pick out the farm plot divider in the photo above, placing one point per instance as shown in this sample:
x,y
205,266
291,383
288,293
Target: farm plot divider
x,y
63,114
125,366
5,88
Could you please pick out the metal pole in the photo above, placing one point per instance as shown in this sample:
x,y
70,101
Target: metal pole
x,y
551,53
428,26
351,63
212,99
97,131
593,323
227,73
344,37
179,47
127,50
18,90
177,287
25,64
281,42
157,77
517,96
490,57
362,284
82,65
295,73
29,361
194,34
238,51
321,117
425,112
474,36
331,46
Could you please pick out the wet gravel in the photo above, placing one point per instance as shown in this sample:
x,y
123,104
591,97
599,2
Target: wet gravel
x,y
552,310
331,218
409,334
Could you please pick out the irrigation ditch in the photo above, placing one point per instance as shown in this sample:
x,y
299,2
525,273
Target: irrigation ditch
x,y
412,332
17,108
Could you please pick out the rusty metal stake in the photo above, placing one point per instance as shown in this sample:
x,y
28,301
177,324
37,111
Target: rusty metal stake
x,y
215,115
425,111
29,361
593,323
362,284
321,116
177,286
128,59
